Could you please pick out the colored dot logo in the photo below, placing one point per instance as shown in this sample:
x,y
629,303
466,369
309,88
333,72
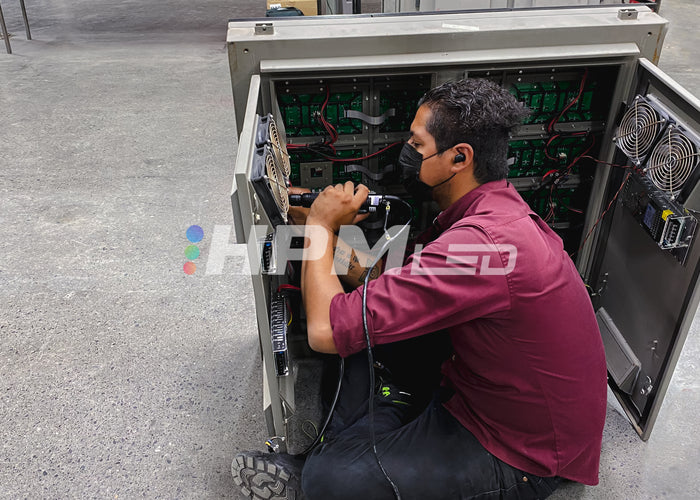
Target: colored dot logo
x,y
189,267
194,235
192,252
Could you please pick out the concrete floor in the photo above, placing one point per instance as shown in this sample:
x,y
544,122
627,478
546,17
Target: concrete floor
x,y
120,376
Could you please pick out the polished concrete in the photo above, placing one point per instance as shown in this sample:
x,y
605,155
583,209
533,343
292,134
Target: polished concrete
x,y
120,376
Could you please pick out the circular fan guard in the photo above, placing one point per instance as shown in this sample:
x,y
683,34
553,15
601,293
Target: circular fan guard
x,y
279,149
672,161
278,188
638,129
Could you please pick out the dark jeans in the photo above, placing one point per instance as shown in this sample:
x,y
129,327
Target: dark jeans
x,y
427,453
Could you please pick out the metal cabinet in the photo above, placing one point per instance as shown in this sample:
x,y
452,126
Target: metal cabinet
x,y
609,157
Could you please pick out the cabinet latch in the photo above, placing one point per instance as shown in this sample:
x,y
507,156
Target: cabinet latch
x,y
266,29
627,14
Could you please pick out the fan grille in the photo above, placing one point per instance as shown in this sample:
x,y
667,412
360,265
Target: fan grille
x,y
279,149
278,187
672,161
638,128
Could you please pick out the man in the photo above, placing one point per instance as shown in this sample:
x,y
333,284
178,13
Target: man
x,y
523,393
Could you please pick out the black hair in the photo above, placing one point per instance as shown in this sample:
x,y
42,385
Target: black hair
x,y
480,113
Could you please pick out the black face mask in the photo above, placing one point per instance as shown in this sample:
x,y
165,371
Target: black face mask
x,y
410,162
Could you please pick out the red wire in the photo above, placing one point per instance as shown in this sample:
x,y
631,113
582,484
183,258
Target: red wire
x,y
624,181
555,136
371,155
288,287
605,162
549,173
570,208
550,212
568,169
580,91
546,147
566,172
326,124
334,137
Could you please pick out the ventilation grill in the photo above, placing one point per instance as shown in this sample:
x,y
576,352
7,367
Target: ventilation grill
x,y
279,149
672,161
278,186
638,130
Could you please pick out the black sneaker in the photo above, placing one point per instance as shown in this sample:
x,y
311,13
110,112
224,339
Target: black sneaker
x,y
268,476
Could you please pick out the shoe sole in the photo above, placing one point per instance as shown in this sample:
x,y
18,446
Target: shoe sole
x,y
261,480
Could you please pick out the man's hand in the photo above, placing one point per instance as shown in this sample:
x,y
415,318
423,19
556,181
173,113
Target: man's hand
x,y
298,214
337,206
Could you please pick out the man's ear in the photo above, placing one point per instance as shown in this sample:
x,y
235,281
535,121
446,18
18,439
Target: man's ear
x,y
463,157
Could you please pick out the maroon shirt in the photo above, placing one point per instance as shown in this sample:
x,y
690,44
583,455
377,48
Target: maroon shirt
x,y
528,368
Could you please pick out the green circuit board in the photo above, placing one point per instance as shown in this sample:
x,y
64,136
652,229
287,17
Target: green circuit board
x,y
530,158
546,99
404,103
301,112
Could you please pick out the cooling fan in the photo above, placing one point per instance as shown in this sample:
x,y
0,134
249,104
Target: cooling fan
x,y
279,148
268,133
638,130
277,182
270,170
672,161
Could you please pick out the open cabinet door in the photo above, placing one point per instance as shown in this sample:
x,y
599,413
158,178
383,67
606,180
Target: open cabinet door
x,y
258,200
645,271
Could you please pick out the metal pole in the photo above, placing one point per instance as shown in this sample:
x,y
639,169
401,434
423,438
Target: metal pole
x,y
26,21
5,34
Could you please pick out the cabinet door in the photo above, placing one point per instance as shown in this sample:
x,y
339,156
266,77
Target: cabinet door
x,y
257,193
646,265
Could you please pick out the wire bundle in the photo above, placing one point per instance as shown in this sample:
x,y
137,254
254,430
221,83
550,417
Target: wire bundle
x,y
326,148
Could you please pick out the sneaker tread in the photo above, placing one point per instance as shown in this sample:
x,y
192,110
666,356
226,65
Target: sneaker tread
x,y
261,480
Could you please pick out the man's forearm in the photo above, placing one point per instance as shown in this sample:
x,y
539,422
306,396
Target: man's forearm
x,y
319,284
351,264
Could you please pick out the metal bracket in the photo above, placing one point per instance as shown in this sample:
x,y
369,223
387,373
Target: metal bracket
x,y
627,14
264,29
372,120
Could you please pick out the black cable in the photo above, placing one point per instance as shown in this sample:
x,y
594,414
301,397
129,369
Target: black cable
x,y
370,357
319,436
